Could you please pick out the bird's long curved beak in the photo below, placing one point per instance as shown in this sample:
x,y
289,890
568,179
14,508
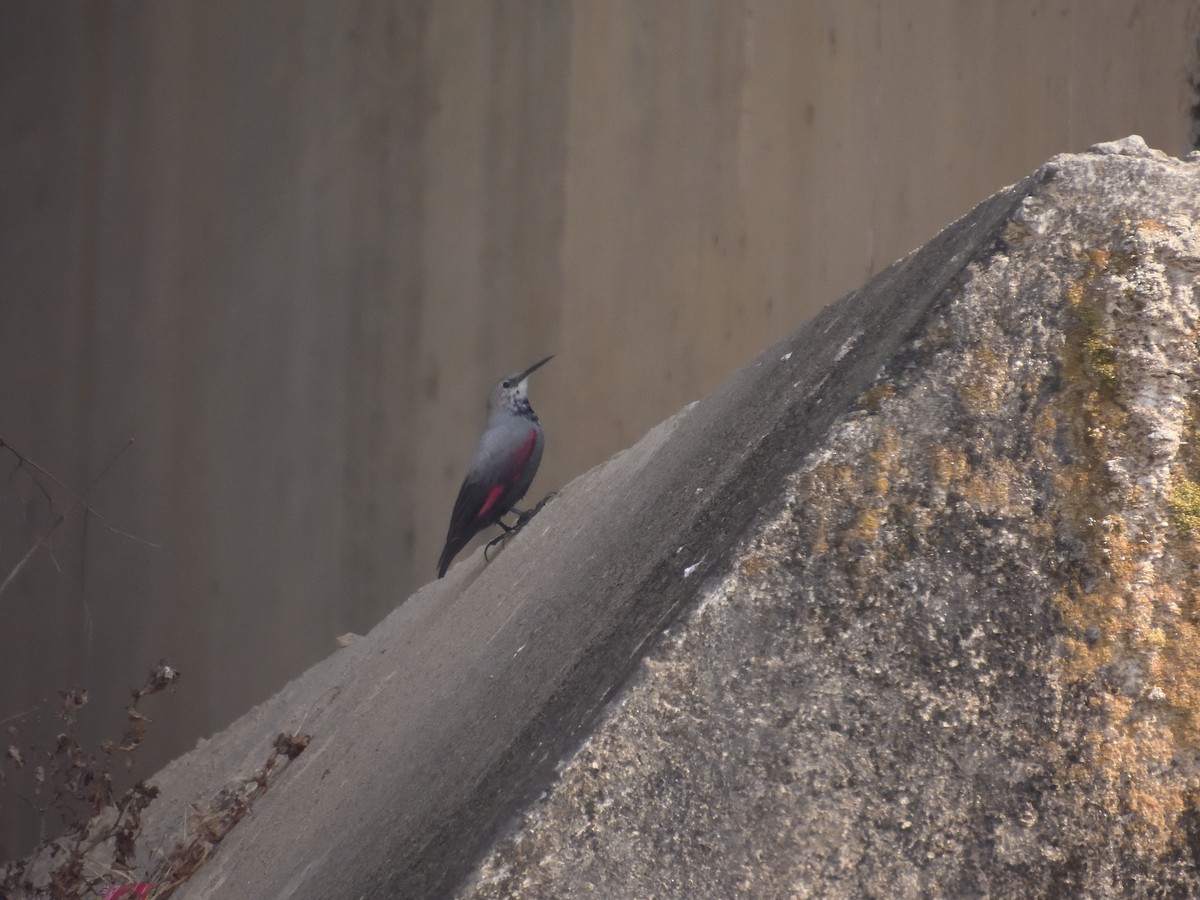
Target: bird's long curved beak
x,y
533,368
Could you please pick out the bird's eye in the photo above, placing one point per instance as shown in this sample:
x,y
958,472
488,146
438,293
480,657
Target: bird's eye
x,y
506,384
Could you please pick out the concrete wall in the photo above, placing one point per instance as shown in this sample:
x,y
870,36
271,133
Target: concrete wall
x,y
287,247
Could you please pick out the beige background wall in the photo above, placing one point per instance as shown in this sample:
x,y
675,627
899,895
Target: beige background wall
x,y
287,247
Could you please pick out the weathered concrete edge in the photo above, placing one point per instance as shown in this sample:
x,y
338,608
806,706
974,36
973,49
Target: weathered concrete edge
x,y
735,446
1016,339
767,417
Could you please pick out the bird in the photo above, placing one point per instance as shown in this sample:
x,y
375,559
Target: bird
x,y
502,467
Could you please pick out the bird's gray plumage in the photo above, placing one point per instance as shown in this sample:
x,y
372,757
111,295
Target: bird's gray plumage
x,y
502,467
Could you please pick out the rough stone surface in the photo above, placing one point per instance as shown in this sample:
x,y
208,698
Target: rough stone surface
x,y
960,655
432,730
939,549
289,245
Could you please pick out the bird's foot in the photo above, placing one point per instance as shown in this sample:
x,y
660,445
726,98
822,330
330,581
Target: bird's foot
x,y
499,539
524,517
522,520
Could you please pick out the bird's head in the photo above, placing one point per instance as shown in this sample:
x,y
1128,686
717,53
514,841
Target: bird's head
x,y
510,395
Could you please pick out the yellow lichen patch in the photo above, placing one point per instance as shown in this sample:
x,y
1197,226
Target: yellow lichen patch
x,y
984,381
1099,350
825,481
887,448
1183,500
1118,554
1096,615
1015,232
884,458
755,567
819,543
873,396
950,465
1091,361
827,478
1177,677
1189,451
991,488
866,524
1184,505
1133,632
1122,262
1151,225
1133,756
1045,428
881,482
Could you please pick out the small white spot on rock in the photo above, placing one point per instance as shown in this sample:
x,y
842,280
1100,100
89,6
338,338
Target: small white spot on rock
x,y
786,356
692,568
846,347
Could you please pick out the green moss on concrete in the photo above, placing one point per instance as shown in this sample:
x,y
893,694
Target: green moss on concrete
x,y
1185,505
1100,358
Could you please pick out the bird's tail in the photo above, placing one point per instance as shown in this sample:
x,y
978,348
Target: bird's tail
x,y
448,553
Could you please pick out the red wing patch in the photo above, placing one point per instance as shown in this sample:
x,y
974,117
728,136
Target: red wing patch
x,y
522,456
493,495
518,465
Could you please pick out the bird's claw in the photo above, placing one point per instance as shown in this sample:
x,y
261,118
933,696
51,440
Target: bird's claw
x,y
524,517
522,520
493,542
